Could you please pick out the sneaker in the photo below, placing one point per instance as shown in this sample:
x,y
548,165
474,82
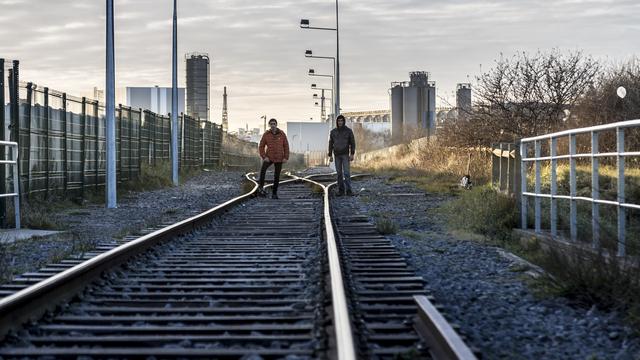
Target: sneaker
x,y
274,196
261,192
349,192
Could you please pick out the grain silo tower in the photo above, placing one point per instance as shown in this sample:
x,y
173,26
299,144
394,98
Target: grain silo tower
x,y
463,100
396,113
198,86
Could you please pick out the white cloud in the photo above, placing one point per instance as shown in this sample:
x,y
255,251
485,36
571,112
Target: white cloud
x,y
258,48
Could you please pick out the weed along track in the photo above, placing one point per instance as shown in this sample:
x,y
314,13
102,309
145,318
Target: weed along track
x,y
252,278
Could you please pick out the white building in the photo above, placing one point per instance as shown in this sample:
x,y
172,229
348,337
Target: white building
x,y
310,139
156,99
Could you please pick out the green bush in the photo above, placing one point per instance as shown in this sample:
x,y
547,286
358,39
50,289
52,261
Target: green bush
x,y
385,225
483,211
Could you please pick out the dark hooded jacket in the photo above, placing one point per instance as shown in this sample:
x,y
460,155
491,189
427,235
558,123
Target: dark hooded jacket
x,y
342,141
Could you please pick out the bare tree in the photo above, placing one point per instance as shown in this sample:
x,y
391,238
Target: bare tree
x,y
526,95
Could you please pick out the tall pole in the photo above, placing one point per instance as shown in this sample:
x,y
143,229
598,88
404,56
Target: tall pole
x,y
110,90
337,94
174,98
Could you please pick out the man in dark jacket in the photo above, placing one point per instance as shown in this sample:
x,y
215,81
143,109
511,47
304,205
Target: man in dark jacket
x,y
342,145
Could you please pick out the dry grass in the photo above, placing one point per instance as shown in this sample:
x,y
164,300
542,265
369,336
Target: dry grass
x,y
431,166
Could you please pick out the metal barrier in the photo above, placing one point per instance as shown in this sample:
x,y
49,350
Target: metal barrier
x,y
620,154
13,161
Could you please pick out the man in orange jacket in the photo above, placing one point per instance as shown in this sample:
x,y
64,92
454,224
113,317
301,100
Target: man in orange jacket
x,y
276,153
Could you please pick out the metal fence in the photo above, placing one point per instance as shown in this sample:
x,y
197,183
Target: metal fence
x,y
62,141
551,144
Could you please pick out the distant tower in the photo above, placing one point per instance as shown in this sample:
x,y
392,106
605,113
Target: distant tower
x,y
225,116
463,100
198,86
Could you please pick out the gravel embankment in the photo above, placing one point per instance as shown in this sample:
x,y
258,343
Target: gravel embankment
x,y
93,224
485,293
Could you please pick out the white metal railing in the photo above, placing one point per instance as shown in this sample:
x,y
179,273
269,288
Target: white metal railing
x,y
620,154
13,161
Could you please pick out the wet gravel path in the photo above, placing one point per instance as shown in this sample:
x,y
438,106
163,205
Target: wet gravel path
x,y
484,292
93,224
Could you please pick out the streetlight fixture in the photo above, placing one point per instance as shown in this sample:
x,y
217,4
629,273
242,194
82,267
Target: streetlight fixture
x,y
312,72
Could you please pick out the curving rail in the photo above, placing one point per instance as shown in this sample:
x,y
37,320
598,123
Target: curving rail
x,y
33,301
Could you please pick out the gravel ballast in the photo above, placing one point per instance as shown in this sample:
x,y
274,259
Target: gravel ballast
x,y
92,224
485,292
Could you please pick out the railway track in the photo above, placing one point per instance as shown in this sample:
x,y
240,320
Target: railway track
x,y
252,278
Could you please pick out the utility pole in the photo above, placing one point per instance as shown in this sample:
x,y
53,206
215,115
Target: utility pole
x,y
225,115
174,99
110,105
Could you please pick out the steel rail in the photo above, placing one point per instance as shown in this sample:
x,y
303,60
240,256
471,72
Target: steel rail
x,y
345,346
442,340
33,301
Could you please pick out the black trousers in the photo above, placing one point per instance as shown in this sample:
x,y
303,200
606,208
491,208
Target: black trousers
x,y
276,174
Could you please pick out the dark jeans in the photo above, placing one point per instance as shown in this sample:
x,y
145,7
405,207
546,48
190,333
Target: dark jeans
x,y
276,174
343,168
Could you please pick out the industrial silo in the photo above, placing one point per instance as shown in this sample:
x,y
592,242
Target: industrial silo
x,y
463,100
396,113
197,69
410,110
431,108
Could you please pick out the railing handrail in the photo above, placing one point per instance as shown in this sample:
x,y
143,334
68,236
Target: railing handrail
x,y
9,143
15,194
583,130
594,155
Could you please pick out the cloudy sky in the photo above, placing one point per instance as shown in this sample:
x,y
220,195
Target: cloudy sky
x,y
258,48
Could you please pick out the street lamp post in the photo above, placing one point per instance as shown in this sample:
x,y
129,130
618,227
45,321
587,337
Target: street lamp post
x,y
309,54
315,87
110,116
305,24
174,98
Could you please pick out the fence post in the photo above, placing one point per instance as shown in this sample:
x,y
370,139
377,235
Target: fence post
x,y
140,118
16,184
96,114
573,211
523,186
538,187
3,185
595,191
65,160
181,130
622,213
515,175
83,145
554,187
508,176
46,142
27,188
155,135
495,172
119,144
130,143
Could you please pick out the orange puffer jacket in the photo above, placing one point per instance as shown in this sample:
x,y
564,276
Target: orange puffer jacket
x,y
277,146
